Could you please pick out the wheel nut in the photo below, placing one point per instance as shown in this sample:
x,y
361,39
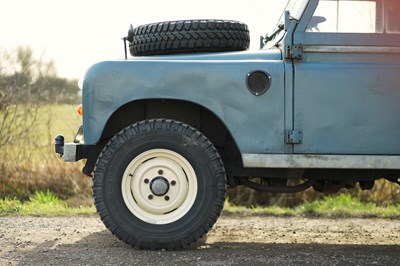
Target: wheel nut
x,y
150,197
146,181
160,172
173,183
166,198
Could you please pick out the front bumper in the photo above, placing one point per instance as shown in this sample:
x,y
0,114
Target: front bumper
x,y
77,150
71,152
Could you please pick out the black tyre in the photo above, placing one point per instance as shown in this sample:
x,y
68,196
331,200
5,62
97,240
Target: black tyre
x,y
159,184
188,36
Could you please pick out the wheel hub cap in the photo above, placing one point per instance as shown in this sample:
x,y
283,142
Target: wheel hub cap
x,y
159,186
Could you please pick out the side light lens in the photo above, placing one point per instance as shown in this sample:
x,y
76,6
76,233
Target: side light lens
x,y
79,110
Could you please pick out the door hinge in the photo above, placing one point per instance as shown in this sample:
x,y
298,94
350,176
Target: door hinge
x,y
294,137
295,51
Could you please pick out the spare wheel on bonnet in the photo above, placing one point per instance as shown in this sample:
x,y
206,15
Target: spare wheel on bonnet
x,y
188,36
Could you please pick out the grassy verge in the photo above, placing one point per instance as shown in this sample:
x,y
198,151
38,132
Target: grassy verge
x,y
341,206
42,204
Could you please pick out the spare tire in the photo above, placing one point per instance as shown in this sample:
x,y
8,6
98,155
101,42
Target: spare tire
x,y
188,36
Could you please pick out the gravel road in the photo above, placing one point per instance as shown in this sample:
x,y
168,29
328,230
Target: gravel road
x,y
232,241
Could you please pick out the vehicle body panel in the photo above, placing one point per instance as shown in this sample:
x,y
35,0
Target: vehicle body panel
x,y
216,82
346,103
347,89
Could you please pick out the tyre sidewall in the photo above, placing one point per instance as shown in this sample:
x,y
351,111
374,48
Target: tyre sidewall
x,y
127,223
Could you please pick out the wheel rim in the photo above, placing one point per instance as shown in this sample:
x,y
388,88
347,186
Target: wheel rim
x,y
159,186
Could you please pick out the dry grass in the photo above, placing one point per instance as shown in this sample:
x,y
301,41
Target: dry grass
x,y
30,164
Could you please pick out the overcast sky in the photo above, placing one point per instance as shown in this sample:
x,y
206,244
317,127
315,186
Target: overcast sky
x,y
77,33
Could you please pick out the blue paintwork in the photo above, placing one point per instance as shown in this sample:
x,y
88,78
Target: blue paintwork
x,y
215,81
347,91
350,108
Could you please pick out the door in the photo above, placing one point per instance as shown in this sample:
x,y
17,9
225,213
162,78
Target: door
x,y
347,83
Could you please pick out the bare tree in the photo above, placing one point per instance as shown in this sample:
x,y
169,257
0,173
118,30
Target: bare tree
x,y
18,104
25,83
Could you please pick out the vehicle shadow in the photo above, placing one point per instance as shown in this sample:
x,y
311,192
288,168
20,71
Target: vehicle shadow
x,y
101,248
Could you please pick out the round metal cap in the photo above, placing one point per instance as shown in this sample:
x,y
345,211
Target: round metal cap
x,y
159,186
258,82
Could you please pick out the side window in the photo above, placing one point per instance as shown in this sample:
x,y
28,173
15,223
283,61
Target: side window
x,y
356,16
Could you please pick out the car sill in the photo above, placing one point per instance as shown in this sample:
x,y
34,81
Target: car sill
x,y
321,161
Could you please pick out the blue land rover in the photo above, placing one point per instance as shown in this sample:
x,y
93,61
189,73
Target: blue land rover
x,y
192,112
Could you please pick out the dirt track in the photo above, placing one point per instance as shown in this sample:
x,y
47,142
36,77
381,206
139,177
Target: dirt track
x,y
232,241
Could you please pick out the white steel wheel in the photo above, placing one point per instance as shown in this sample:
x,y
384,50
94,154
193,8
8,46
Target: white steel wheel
x,y
159,186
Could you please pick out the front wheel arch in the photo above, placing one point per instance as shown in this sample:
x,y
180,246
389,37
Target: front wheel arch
x,y
203,119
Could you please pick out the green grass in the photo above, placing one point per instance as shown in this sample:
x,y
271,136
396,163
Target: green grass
x,y
340,206
42,204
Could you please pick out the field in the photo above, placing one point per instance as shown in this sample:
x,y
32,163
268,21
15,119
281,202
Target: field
x,y
29,166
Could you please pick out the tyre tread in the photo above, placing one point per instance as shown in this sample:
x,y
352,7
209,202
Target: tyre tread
x,y
161,125
188,36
